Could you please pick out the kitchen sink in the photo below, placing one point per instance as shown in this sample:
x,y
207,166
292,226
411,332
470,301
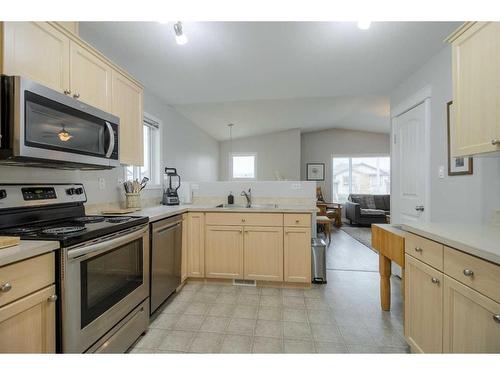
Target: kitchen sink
x,y
253,206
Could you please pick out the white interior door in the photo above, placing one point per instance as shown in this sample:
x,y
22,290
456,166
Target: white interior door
x,y
410,161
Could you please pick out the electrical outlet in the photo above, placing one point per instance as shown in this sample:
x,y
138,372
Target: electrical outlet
x,y
441,171
102,183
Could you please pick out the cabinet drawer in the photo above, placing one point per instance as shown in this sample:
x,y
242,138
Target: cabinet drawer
x,y
476,273
26,277
427,251
297,220
244,218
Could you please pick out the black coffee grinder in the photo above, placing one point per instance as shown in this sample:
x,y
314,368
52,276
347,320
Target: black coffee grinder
x,y
170,196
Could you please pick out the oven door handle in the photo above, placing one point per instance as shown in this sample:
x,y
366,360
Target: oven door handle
x,y
93,250
111,140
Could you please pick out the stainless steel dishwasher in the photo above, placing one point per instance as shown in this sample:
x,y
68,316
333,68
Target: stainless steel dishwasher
x,y
166,253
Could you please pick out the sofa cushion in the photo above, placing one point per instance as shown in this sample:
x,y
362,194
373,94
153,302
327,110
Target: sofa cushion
x,y
372,212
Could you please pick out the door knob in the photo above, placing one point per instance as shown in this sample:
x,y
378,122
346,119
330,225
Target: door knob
x,y
495,142
52,298
496,318
419,208
67,91
76,95
435,281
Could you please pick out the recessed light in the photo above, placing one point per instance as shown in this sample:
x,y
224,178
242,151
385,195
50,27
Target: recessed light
x,y
364,25
180,37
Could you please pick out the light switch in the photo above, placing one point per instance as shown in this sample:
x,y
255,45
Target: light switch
x,y
441,171
102,183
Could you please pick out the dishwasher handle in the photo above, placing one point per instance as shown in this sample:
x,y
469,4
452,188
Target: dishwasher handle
x,y
167,228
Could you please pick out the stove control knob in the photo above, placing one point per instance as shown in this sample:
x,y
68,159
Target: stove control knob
x,y
70,191
3,194
79,191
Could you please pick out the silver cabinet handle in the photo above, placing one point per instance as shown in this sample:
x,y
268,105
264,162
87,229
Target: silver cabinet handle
x,y
76,95
5,287
435,281
495,142
496,318
67,91
469,273
418,249
52,298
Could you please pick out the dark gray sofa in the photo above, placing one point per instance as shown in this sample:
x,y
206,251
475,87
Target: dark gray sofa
x,y
367,209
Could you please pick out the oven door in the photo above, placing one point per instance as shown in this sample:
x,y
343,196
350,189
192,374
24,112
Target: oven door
x,y
52,126
102,282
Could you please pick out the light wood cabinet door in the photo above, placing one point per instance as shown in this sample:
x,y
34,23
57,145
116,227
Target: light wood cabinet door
x,y
38,51
476,93
263,249
184,268
28,324
196,245
471,320
423,307
90,78
224,252
297,255
127,104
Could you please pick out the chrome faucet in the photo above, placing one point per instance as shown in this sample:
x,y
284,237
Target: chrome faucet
x,y
248,196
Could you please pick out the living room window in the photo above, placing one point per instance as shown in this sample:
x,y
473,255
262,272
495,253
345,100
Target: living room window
x,y
360,175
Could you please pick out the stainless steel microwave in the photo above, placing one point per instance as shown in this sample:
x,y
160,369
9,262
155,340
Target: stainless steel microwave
x,y
45,128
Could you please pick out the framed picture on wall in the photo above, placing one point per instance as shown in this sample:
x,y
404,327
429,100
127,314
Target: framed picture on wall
x,y
315,171
456,166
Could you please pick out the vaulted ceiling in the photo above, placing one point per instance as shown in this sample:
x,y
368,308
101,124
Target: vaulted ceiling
x,y
270,76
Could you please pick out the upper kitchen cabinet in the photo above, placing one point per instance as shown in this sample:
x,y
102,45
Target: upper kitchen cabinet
x,y
476,88
127,105
52,54
90,77
36,50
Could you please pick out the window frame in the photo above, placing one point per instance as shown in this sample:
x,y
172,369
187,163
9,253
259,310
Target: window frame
x,y
354,156
232,155
155,161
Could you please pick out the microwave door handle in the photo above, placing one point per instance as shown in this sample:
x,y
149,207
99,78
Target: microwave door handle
x,y
111,139
90,251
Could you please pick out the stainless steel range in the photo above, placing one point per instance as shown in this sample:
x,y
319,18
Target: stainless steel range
x,y
103,264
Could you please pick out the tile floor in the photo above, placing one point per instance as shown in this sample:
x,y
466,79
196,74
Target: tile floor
x,y
342,316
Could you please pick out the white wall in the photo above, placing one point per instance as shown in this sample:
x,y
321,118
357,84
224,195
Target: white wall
x,y
193,152
318,147
276,152
469,198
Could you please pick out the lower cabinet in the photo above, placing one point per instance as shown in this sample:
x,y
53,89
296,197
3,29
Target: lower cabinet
x,y
263,249
224,252
196,244
28,324
297,254
471,320
423,306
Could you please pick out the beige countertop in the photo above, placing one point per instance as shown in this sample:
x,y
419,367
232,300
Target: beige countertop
x,y
25,250
159,212
482,241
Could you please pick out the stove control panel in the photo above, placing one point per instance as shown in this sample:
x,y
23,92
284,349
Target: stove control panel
x,y
38,193
31,195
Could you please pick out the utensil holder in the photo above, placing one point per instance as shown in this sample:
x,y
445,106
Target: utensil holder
x,y
133,200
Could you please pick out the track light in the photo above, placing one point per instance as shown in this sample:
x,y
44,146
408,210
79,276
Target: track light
x,y
364,25
180,37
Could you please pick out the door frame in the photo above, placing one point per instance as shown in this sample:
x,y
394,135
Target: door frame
x,y
423,96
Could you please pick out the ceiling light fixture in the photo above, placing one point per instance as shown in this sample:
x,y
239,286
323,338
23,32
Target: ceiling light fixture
x,y
364,25
64,135
180,37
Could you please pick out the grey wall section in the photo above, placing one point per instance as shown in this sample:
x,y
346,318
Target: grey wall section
x,y
470,198
318,147
276,152
184,146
